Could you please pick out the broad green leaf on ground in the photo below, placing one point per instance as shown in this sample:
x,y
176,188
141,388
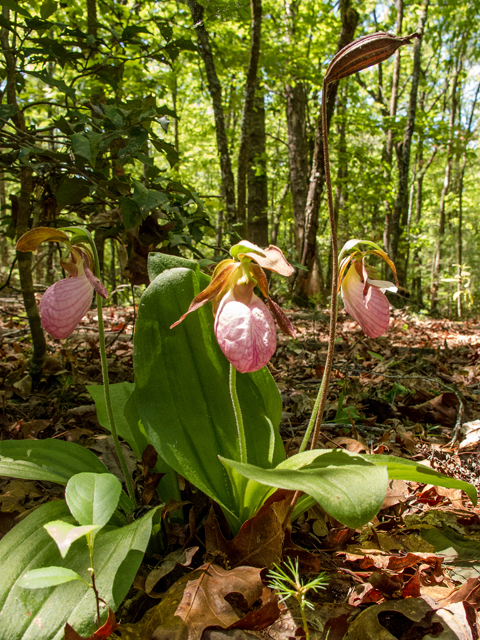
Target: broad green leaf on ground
x,y
160,262
47,577
65,534
50,460
129,427
398,469
348,487
41,614
93,497
404,469
182,391
47,460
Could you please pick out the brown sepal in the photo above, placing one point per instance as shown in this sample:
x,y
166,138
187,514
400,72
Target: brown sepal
x,y
212,291
364,52
283,322
274,260
390,262
33,238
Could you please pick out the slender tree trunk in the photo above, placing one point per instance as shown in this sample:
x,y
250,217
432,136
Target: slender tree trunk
x,y
278,214
92,17
257,204
317,174
215,89
23,214
219,232
389,143
247,115
461,177
446,184
296,99
400,210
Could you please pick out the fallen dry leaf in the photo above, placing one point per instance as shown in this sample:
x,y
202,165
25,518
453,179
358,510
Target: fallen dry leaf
x,y
104,632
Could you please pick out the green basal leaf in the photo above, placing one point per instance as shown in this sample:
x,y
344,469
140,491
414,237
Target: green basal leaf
x,y
398,469
182,392
116,556
52,461
48,577
93,497
348,487
160,262
65,534
404,469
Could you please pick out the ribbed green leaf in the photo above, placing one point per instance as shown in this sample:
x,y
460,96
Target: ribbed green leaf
x,y
348,487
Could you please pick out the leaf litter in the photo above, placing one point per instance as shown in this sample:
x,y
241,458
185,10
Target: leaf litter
x,y
413,572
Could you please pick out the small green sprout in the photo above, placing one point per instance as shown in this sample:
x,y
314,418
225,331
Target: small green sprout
x,y
290,585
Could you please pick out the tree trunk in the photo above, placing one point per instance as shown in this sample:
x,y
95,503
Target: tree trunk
x,y
389,143
23,213
92,17
257,205
247,115
460,204
446,184
215,90
400,210
296,98
317,174
278,215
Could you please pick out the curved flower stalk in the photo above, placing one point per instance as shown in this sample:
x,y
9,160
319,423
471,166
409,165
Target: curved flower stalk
x,y
244,325
364,298
65,303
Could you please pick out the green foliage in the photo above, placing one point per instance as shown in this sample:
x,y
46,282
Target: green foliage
x,y
116,556
191,421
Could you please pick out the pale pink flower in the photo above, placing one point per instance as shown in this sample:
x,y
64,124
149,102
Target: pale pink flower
x,y
65,303
365,299
245,331
244,326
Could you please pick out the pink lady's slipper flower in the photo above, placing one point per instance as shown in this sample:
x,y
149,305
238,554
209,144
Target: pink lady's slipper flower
x,y
364,299
65,303
244,325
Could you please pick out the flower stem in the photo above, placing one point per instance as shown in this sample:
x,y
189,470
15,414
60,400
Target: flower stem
x,y
320,402
106,384
238,414
108,401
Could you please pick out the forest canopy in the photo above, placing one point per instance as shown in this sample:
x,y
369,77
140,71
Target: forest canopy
x,y
182,127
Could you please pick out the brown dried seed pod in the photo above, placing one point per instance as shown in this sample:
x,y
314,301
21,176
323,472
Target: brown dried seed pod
x,y
364,52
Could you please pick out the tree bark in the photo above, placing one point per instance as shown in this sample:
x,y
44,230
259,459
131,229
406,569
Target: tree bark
x,y
389,142
317,174
278,215
23,214
215,89
400,209
446,184
257,204
92,17
460,203
296,99
247,115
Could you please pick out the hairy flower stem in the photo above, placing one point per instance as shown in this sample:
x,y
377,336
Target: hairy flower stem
x,y
319,407
238,414
106,384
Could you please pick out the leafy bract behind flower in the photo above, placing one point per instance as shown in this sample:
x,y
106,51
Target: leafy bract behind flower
x,y
363,297
65,303
244,326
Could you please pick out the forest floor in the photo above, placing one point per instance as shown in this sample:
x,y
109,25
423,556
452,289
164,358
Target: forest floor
x,y
413,572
